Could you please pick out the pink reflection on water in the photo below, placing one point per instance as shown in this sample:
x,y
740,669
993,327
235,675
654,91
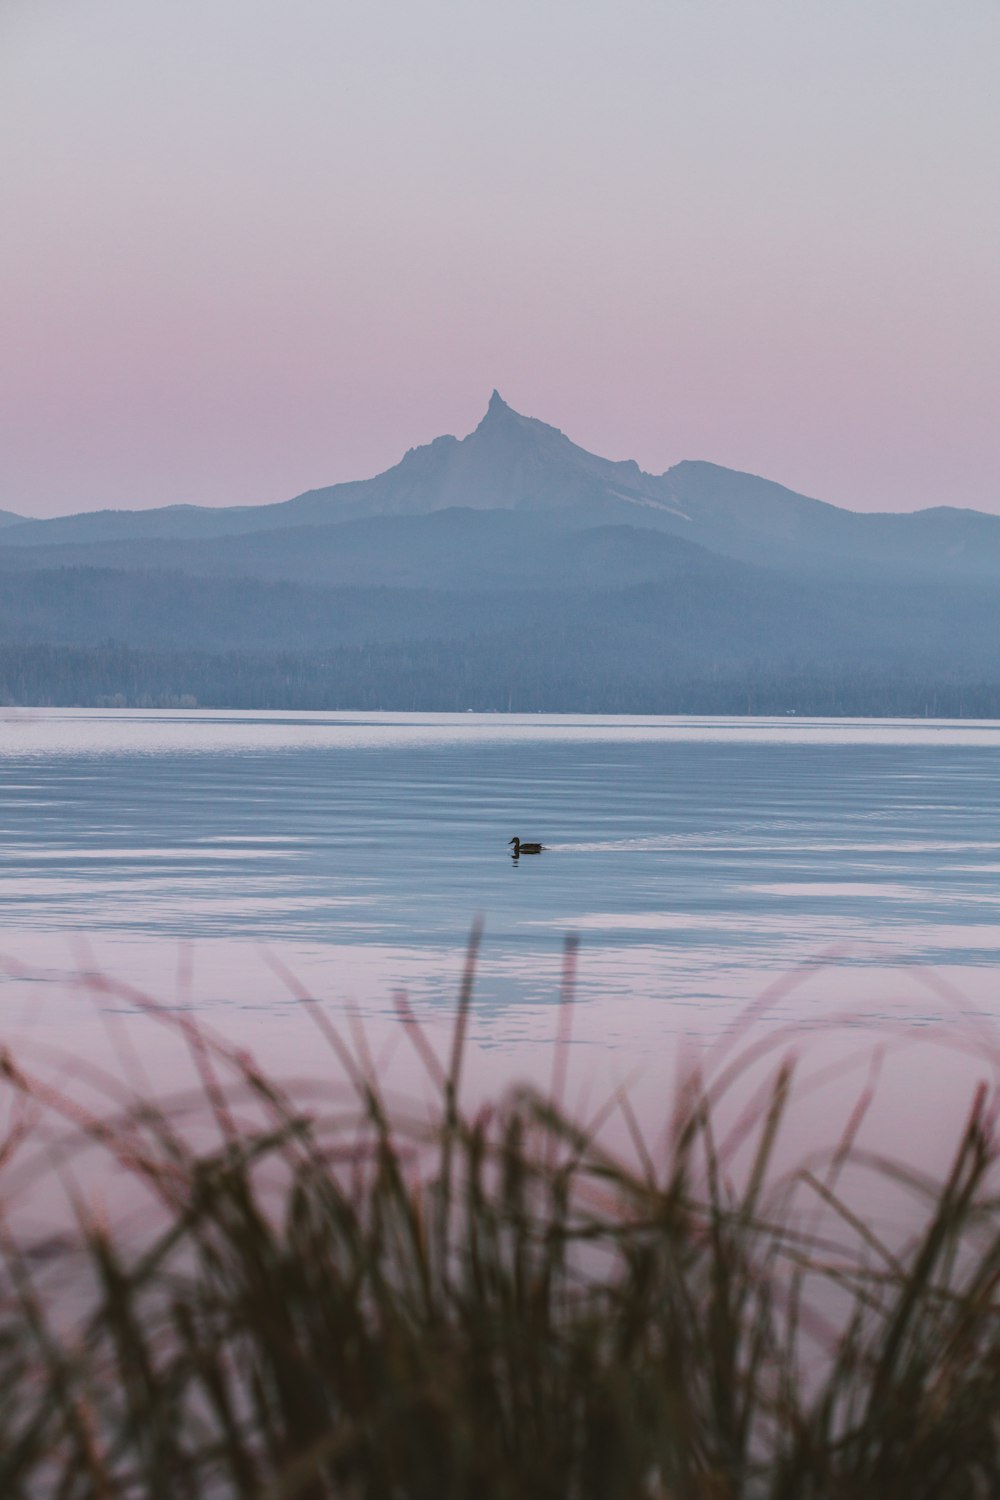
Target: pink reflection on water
x,y
68,1006
93,1038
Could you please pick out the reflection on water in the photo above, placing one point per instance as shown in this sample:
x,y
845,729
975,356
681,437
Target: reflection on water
x,y
701,860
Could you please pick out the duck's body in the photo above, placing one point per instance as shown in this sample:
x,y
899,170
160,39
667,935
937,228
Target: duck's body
x,y
520,848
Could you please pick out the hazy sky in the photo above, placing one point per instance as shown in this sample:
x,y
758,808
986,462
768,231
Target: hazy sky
x,y
252,246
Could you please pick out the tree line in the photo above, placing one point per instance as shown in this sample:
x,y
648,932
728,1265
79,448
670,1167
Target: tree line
x,y
506,675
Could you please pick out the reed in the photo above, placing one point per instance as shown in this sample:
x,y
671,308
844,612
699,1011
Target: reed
x,y
344,1297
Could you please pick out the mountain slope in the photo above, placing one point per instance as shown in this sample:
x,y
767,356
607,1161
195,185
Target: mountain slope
x,y
760,521
447,549
508,462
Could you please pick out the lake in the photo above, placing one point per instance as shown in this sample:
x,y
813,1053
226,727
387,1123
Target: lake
x,y
814,866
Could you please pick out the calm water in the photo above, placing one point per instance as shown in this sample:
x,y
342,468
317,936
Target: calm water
x,y
815,866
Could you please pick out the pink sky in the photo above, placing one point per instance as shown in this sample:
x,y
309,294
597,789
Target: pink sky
x,y
248,249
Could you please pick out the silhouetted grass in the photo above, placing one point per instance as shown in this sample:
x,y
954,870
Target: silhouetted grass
x,y
349,1298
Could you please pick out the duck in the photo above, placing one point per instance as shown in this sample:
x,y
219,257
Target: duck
x,y
520,848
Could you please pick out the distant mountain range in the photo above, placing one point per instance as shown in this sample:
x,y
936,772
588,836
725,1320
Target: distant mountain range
x,y
549,562
516,463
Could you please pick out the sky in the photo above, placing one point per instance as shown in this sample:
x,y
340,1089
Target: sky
x,y
249,247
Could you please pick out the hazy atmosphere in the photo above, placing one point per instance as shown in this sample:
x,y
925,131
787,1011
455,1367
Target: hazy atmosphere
x,y
249,248
499,743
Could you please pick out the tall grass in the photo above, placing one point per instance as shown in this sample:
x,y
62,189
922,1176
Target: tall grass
x,y
347,1297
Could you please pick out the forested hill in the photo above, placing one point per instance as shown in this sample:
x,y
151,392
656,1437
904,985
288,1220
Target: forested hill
x,y
79,636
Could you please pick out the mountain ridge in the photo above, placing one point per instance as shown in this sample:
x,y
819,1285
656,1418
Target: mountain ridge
x,y
514,463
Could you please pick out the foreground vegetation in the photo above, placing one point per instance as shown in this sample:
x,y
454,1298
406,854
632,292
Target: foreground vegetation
x,y
349,1297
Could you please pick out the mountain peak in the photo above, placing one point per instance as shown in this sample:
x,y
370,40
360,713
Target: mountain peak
x,y
499,414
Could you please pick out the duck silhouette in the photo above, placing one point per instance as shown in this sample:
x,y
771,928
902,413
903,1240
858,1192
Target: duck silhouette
x,y
520,848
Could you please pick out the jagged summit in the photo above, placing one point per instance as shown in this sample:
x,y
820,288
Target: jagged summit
x,y
499,417
508,462
500,414
497,411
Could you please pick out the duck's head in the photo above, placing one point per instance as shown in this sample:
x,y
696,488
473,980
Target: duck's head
x,y
515,842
